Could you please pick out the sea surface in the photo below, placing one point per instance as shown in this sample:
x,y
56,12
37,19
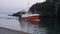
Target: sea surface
x,y
13,23
9,22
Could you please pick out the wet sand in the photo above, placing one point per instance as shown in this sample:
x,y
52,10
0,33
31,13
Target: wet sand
x,y
8,31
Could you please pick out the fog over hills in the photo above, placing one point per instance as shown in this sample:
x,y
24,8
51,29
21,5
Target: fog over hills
x,y
11,10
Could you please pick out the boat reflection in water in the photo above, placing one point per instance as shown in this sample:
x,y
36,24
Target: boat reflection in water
x,y
32,23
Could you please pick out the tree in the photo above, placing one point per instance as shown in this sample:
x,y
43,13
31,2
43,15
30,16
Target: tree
x,y
43,8
47,13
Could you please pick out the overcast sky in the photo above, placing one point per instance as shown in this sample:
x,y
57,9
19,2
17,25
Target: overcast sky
x,y
6,5
18,3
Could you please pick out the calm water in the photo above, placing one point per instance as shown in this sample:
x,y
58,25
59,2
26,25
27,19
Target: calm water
x,y
11,22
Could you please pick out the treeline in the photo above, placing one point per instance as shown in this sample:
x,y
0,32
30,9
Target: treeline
x,y
45,8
